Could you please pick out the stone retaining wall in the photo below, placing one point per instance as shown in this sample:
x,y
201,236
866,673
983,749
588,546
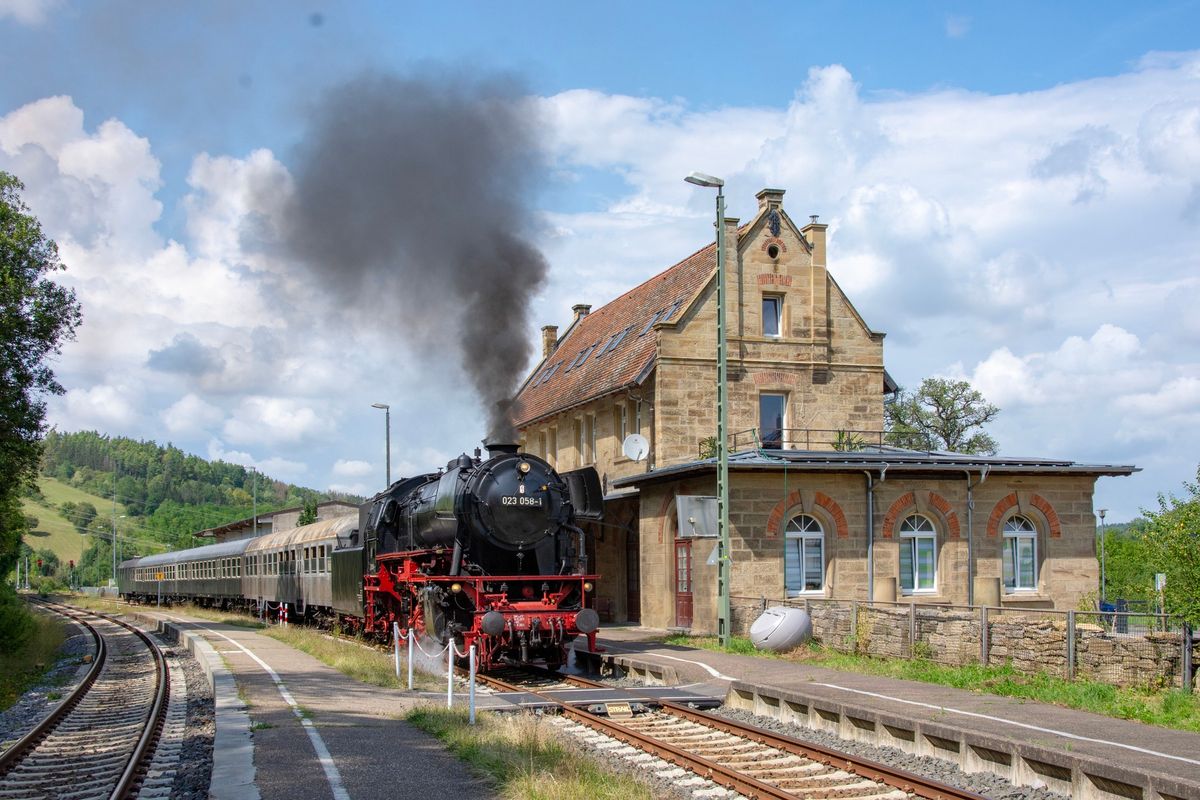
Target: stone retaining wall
x,y
1031,642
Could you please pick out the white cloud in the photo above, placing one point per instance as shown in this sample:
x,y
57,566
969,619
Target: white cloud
x,y
273,466
957,26
275,420
351,468
28,12
190,415
103,407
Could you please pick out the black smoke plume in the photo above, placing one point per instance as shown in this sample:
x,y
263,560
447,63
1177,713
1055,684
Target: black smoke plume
x,y
412,203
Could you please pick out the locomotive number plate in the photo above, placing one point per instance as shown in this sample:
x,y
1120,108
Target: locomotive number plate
x,y
522,500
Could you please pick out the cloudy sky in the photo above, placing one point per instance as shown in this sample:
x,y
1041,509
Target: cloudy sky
x,y
1013,193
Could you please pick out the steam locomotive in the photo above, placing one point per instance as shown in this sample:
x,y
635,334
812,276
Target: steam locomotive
x,y
486,552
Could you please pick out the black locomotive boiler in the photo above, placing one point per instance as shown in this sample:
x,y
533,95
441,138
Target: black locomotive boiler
x,y
487,552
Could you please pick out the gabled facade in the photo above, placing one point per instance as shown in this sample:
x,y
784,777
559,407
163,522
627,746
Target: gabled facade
x,y
801,358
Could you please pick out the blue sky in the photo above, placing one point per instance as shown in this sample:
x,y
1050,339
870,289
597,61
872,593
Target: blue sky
x,y
1013,190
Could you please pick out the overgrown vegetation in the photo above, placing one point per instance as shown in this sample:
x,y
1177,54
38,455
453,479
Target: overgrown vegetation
x,y
525,757
356,660
1172,536
1169,708
23,666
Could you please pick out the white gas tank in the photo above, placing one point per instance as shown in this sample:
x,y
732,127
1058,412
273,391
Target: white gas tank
x,y
780,628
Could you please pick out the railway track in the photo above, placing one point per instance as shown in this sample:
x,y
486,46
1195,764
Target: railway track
x,y
750,761
99,739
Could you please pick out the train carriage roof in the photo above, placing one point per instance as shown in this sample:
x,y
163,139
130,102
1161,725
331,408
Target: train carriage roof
x,y
221,550
336,527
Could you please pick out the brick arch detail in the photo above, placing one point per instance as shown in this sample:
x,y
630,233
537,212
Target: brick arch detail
x,y
893,513
1009,502
831,506
773,240
664,513
909,500
943,507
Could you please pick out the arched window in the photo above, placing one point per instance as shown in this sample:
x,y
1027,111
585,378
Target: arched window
x,y
804,555
1020,555
918,555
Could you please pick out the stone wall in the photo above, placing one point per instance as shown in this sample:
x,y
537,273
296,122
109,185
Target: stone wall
x,y
1031,642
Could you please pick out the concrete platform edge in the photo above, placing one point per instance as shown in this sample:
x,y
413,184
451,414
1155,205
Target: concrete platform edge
x,y
233,773
1079,776
1082,777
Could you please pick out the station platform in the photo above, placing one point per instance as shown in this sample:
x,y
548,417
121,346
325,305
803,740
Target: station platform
x,y
1083,755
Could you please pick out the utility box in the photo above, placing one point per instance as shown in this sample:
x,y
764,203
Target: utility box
x,y
697,516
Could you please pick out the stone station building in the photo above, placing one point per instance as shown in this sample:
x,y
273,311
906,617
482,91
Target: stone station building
x,y
819,506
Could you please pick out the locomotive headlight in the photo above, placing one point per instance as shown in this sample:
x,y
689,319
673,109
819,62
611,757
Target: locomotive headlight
x,y
587,586
456,587
523,467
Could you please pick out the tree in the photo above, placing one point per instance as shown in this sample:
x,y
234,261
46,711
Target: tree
x,y
36,316
942,415
1173,537
308,514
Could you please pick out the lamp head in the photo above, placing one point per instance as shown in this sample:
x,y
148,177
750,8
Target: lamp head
x,y
380,406
700,179
1102,512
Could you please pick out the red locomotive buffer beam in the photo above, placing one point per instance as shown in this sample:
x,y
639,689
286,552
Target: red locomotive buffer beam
x,y
524,617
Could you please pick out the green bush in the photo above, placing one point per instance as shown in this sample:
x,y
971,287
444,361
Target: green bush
x,y
16,624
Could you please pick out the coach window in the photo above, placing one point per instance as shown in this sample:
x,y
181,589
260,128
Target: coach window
x,y
804,556
1020,555
918,555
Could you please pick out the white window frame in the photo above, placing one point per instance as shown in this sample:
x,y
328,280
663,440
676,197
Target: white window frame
x,y
912,533
623,421
778,301
1019,530
804,531
637,416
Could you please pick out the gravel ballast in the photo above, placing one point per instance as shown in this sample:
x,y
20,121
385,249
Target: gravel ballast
x,y
991,786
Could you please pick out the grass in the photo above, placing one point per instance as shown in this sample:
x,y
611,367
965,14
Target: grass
x,y
525,757
1168,708
364,664
24,668
57,533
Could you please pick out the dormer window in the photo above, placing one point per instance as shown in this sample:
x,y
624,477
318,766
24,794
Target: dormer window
x,y
772,315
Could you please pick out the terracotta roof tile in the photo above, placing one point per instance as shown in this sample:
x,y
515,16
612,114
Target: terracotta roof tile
x,y
617,340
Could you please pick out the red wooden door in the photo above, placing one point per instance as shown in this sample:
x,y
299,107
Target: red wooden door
x,y
683,583
633,578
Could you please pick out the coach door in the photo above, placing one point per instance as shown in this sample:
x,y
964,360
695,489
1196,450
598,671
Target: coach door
x,y
683,583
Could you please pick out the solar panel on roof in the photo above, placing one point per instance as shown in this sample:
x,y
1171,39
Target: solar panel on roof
x,y
615,341
650,324
581,357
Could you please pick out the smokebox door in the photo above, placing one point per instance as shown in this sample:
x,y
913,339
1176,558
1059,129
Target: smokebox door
x,y
583,485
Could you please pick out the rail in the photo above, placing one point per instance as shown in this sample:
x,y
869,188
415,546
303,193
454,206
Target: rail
x,y
732,777
152,724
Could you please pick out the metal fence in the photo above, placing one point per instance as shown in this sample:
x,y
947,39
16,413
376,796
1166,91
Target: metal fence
x,y
1122,649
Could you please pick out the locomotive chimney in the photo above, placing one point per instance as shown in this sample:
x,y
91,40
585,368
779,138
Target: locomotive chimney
x,y
549,339
500,448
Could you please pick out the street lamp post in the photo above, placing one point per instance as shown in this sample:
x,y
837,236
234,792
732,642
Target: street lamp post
x,y
1102,512
723,560
387,427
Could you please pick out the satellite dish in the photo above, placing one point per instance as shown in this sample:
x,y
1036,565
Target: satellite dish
x,y
635,447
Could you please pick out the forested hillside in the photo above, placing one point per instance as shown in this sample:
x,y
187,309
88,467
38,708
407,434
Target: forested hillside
x,y
157,496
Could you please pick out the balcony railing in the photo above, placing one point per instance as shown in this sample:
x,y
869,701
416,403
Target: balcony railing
x,y
842,440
